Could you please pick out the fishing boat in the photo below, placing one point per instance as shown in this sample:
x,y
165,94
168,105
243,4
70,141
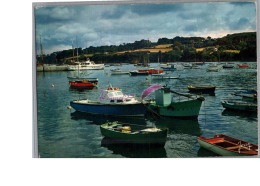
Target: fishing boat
x,y
240,106
228,146
164,76
151,71
111,102
243,66
164,105
137,73
87,65
118,71
128,134
202,89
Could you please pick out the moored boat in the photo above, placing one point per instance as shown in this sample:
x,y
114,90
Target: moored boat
x,y
87,65
164,76
243,66
240,106
137,73
111,102
151,71
128,134
118,72
165,106
228,146
82,83
202,89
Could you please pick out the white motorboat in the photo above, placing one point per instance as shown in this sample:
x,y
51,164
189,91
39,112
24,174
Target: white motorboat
x,y
87,65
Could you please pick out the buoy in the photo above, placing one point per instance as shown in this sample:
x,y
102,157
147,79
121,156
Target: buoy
x,y
69,107
52,85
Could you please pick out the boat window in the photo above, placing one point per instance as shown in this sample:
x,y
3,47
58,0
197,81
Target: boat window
x,y
112,101
119,93
111,94
118,101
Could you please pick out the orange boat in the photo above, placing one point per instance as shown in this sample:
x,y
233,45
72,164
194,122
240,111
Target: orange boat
x,y
243,66
228,146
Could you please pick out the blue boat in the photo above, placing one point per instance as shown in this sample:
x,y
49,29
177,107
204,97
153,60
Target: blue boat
x,y
171,68
112,102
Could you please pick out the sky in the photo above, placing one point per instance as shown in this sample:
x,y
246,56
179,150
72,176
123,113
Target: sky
x,y
99,25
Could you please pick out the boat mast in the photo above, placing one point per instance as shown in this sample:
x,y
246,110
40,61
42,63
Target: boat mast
x,y
72,51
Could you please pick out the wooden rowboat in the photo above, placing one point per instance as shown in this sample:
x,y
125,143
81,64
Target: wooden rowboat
x,y
240,106
228,146
129,135
202,89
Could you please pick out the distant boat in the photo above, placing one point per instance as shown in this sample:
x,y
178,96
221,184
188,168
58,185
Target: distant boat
x,y
228,146
137,73
213,67
111,102
126,133
151,71
164,76
243,66
240,106
199,63
87,65
118,72
169,68
187,65
228,66
247,94
202,89
82,83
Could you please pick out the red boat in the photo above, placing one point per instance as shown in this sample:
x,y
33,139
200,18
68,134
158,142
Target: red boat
x,y
152,71
243,66
82,84
228,146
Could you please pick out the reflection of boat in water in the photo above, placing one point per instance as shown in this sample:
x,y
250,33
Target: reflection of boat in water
x,y
242,114
101,120
180,126
82,89
133,150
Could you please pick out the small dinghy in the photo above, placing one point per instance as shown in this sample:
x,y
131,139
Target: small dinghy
x,y
202,89
228,146
126,134
118,72
239,106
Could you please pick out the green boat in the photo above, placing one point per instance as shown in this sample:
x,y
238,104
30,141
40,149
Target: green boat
x,y
129,134
165,106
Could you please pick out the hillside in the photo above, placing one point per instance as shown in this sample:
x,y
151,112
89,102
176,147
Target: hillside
x,y
239,47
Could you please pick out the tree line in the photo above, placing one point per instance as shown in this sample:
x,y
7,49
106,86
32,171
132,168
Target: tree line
x,y
233,47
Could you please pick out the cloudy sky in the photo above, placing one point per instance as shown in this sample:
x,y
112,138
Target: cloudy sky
x,y
97,25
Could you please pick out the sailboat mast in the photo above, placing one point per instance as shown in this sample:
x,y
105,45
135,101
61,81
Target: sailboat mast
x,y
72,51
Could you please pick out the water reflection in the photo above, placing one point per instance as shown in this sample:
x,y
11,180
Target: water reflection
x,y
133,150
81,89
179,126
206,153
241,114
99,120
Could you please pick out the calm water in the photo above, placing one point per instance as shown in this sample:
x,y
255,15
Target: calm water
x,y
66,133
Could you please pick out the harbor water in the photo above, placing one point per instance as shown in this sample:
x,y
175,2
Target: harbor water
x,y
65,133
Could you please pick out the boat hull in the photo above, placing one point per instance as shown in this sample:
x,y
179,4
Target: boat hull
x,y
240,107
185,109
139,73
228,146
217,150
138,109
205,90
152,138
